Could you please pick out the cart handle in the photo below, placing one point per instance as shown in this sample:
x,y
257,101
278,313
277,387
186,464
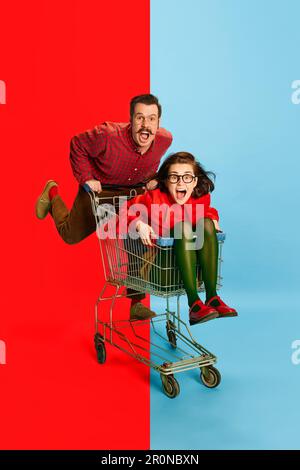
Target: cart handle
x,y
86,188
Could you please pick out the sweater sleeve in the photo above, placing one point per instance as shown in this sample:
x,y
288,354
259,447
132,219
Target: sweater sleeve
x,y
83,148
212,213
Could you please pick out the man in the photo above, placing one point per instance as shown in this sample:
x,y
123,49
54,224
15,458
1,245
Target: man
x,y
111,159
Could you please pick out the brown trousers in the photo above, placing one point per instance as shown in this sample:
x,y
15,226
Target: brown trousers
x,y
78,223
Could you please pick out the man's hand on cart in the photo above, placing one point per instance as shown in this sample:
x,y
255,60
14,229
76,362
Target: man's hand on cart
x,y
146,233
152,184
95,185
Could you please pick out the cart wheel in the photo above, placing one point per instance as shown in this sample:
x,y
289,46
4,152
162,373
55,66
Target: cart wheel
x,y
100,348
170,327
172,338
170,385
211,377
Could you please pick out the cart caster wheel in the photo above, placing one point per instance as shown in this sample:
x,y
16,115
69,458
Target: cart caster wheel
x,y
170,327
172,339
101,353
100,348
170,385
211,377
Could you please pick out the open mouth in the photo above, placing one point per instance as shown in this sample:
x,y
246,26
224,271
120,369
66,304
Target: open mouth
x,y
180,193
144,136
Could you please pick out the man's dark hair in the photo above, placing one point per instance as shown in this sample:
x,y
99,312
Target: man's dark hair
x,y
144,99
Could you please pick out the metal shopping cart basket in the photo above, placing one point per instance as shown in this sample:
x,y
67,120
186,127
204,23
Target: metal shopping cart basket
x,y
127,263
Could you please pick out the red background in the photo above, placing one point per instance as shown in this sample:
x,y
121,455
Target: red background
x,y
67,65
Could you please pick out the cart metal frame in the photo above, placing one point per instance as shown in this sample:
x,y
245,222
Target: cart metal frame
x,y
122,261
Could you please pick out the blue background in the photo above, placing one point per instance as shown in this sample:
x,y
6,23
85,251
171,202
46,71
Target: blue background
x,y
223,71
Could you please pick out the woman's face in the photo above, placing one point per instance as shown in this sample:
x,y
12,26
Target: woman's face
x,y
181,191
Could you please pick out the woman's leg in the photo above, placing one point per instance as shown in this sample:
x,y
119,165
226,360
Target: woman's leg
x,y
186,260
208,259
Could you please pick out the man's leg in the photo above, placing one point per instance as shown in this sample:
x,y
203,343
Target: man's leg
x,y
78,223
74,225
138,311
134,267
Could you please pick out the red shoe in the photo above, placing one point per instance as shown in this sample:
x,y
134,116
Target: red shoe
x,y
204,313
223,309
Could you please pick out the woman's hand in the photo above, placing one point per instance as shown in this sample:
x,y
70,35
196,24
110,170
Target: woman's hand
x,y
145,232
217,226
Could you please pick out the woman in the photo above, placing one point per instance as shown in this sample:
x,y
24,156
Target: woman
x,y
183,182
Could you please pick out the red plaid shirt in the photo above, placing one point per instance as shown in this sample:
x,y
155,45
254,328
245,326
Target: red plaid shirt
x,y
109,154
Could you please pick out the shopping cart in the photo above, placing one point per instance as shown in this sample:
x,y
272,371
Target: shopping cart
x,y
127,263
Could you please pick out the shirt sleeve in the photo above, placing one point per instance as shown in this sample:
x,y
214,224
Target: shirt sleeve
x,y
166,141
83,148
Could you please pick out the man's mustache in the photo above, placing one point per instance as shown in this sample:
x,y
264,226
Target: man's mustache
x,y
144,129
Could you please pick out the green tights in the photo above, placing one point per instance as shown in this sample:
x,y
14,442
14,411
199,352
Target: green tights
x,y
206,257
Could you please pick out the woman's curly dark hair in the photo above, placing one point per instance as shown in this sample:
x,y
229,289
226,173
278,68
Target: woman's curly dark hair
x,y
204,184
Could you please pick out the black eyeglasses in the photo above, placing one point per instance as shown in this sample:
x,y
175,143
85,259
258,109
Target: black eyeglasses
x,y
187,178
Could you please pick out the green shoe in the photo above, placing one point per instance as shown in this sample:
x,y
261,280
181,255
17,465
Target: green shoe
x,y
140,312
43,203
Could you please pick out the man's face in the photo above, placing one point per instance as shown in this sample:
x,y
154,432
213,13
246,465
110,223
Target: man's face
x,y
145,123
